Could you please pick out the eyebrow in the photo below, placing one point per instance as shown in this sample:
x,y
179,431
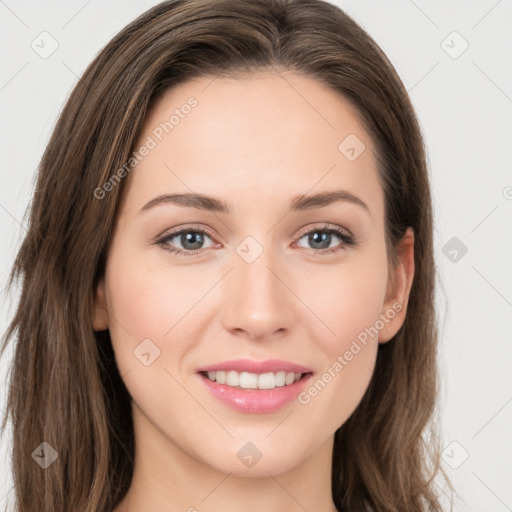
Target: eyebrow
x,y
212,204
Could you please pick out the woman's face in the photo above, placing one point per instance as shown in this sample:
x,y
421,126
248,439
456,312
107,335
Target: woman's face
x,y
261,273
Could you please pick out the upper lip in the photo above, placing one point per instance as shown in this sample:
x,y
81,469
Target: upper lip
x,y
250,366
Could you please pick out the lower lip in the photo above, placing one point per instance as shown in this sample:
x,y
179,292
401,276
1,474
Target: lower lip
x,y
255,400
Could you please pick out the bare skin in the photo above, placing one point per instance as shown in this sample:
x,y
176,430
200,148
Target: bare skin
x,y
256,144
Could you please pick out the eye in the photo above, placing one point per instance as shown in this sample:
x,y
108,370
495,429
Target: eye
x,y
191,239
321,238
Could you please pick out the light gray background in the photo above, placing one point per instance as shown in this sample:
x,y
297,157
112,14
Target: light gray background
x,y
464,103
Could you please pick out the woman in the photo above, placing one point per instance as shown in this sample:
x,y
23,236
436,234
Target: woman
x,y
254,369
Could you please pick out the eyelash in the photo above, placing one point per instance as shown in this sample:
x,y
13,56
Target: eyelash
x,y
347,239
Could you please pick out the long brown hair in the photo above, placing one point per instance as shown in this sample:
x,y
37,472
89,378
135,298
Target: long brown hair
x,y
65,388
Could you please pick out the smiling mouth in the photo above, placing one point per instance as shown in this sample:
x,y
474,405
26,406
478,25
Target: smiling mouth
x,y
259,381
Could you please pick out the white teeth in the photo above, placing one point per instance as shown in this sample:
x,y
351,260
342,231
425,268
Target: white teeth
x,y
281,378
246,380
267,381
233,379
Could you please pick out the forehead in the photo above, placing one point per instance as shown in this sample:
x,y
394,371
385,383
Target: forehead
x,y
274,134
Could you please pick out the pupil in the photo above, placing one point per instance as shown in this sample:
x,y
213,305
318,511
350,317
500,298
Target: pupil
x,y
190,237
314,238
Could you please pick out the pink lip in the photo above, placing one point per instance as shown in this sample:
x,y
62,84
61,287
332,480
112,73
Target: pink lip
x,y
255,400
247,365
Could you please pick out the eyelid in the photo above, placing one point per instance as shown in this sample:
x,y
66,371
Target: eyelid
x,y
186,227
325,226
161,240
303,231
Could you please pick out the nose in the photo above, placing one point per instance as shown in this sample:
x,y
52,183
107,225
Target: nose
x,y
258,299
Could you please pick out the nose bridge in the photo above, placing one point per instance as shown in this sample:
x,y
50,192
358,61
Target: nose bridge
x,y
257,297
254,269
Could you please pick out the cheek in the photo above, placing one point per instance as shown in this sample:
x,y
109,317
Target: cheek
x,y
349,306
146,302
348,299
354,308
152,312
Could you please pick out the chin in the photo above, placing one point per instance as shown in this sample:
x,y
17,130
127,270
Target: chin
x,y
256,458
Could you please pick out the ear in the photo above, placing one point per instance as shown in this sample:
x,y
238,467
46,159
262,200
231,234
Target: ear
x,y
398,289
100,308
